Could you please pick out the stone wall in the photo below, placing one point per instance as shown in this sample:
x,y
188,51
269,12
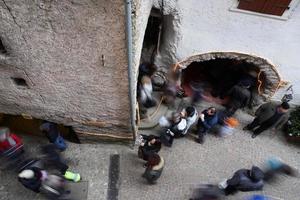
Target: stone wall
x,y
72,56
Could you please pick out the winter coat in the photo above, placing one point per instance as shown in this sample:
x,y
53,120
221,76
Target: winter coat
x,y
152,174
34,183
247,180
267,110
147,149
209,120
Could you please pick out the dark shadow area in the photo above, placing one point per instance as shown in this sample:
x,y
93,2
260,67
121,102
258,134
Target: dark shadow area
x,y
152,36
2,48
216,77
19,124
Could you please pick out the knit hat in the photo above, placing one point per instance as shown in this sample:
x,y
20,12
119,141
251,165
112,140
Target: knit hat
x,y
27,173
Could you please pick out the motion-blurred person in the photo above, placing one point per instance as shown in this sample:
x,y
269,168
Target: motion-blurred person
x,y
52,158
244,180
154,168
207,192
32,178
9,142
52,133
275,166
145,89
269,115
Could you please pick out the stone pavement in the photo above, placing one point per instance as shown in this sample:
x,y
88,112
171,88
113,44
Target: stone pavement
x,y
187,164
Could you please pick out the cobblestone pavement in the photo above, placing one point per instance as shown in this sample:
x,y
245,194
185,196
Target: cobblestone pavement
x,y
187,164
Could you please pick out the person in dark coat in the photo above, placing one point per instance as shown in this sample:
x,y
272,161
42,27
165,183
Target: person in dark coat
x,y
154,168
245,180
207,119
52,133
151,144
32,178
240,97
176,129
269,115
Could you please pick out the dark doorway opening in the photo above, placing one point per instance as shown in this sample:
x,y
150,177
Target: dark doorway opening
x,y
31,126
152,36
216,77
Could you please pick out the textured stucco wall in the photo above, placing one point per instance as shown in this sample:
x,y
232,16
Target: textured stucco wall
x,y
72,53
208,26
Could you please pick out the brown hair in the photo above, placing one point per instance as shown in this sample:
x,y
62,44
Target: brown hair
x,y
153,160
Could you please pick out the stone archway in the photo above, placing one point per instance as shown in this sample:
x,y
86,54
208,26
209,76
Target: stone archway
x,y
272,79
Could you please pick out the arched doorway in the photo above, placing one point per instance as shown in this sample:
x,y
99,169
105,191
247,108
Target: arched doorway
x,y
219,71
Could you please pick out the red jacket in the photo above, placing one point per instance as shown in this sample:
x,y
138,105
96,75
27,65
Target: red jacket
x,y
4,146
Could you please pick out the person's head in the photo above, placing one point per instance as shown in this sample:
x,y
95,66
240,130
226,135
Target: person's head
x,y
190,111
152,140
284,107
256,174
211,111
4,133
153,160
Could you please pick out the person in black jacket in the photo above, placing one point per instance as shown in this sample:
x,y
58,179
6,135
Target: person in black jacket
x,y
151,144
32,178
245,180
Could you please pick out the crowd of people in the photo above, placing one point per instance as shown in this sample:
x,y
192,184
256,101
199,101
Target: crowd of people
x,y
269,115
47,173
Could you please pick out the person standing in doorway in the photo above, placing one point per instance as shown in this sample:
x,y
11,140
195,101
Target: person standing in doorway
x,y
269,115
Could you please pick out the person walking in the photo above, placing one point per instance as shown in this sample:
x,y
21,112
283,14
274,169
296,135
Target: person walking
x,y
269,115
244,180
